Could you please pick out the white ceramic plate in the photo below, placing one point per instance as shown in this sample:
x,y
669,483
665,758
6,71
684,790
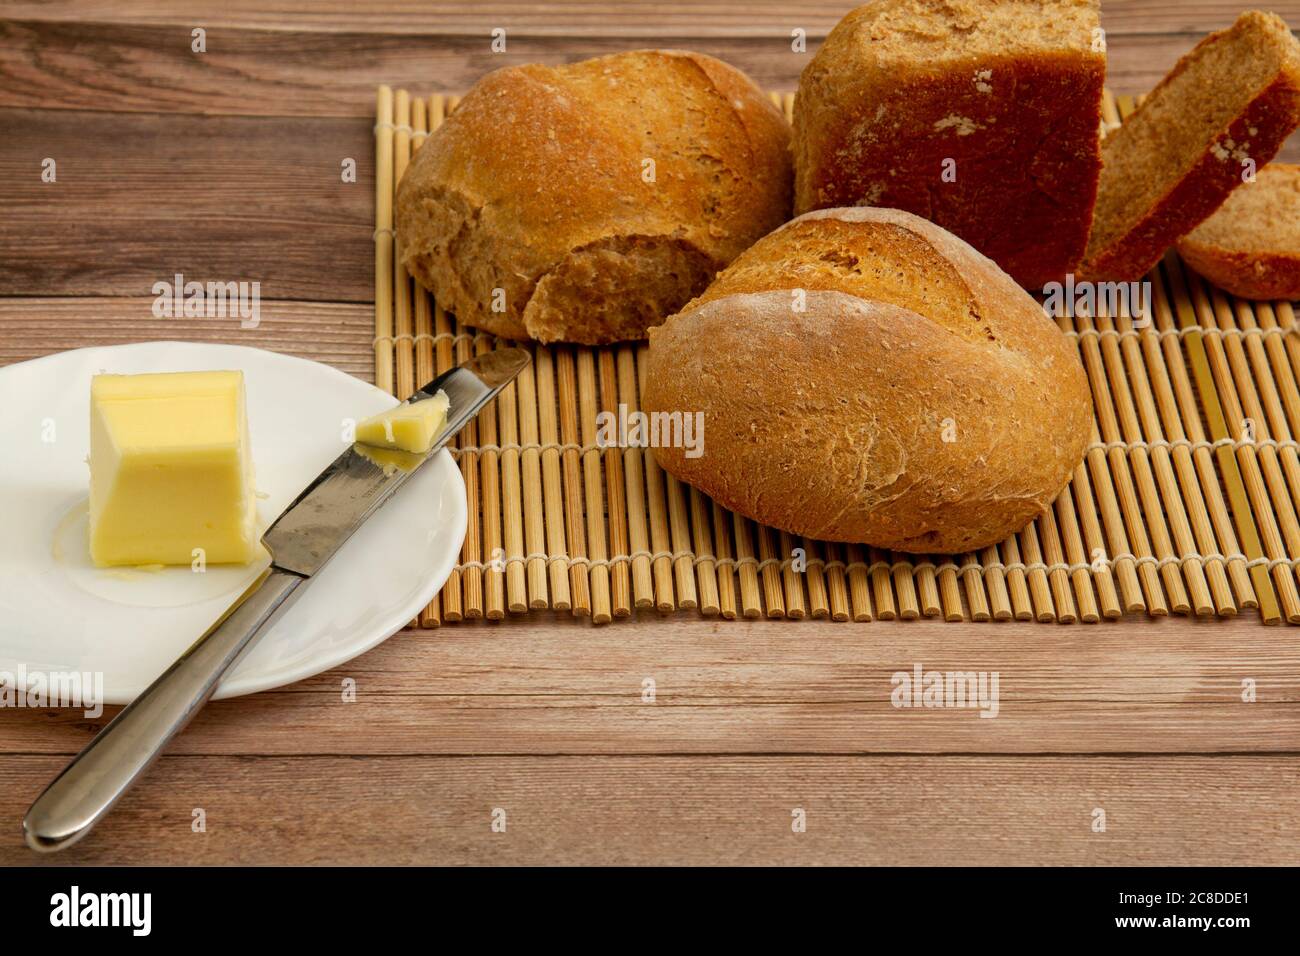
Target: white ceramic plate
x,y
59,613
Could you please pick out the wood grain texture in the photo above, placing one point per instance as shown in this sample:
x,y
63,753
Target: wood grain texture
x,y
335,333
753,687
139,198
689,810
148,67
574,18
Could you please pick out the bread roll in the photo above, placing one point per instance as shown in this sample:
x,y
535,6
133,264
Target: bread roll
x,y
980,116
583,203
1251,246
866,376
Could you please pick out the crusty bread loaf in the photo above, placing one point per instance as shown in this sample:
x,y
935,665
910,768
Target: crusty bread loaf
x,y
980,115
1234,98
596,197
1251,246
866,376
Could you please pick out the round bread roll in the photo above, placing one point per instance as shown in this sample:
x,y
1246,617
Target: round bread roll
x,y
584,203
866,376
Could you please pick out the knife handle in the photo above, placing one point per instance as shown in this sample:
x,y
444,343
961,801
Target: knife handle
x,y
124,749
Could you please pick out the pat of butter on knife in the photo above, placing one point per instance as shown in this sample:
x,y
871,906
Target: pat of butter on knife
x,y
171,470
411,427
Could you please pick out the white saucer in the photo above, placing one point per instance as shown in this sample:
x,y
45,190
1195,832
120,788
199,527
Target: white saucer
x,y
59,613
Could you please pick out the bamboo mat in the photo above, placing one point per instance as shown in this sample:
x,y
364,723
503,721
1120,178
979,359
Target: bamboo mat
x,y
1184,503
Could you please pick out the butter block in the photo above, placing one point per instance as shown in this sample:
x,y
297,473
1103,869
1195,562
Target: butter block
x,y
171,470
411,427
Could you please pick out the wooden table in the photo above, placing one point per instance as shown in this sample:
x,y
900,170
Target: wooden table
x,y
225,164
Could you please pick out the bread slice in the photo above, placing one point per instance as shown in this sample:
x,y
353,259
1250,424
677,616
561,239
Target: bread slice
x,y
585,202
1234,98
1251,246
979,115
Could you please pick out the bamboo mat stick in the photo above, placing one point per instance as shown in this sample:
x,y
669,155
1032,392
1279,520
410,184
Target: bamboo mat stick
x,y
403,340
706,567
472,552
494,577
602,611
950,590
534,510
570,435
900,570
977,603
552,482
769,564
1017,583
384,239
634,472
859,583
882,593
996,580
616,504
516,581
819,603
837,589
751,602
425,368
727,603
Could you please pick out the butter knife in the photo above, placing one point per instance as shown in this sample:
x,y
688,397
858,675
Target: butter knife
x,y
305,536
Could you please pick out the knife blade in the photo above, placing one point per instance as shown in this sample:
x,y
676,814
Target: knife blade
x,y
306,535
345,494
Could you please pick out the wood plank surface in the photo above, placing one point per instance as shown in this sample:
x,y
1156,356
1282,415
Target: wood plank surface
x,y
150,67
140,197
338,334
566,687
688,18
712,810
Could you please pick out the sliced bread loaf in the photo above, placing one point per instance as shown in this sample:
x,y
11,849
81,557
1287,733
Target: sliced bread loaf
x,y
1251,246
979,116
1230,102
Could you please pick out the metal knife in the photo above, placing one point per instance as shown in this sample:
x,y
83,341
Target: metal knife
x,y
309,532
